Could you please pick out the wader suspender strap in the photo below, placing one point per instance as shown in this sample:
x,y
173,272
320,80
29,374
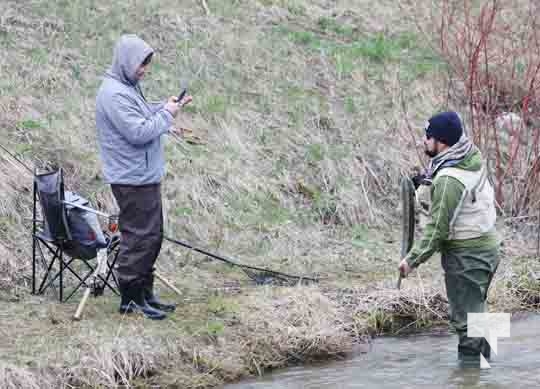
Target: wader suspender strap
x,y
480,184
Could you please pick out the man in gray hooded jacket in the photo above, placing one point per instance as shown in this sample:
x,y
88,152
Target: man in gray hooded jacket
x,y
129,135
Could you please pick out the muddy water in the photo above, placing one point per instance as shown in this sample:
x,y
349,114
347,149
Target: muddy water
x,y
420,361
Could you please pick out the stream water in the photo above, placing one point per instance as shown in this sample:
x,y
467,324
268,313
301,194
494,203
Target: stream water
x,y
420,361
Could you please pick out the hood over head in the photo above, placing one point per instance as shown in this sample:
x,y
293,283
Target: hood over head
x,y
129,53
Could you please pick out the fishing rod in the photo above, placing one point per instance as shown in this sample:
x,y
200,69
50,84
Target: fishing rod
x,y
64,201
16,159
261,278
266,273
274,273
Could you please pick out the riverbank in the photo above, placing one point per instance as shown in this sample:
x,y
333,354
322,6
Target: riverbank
x,y
305,117
231,331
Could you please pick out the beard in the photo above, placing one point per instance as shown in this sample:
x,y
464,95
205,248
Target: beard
x,y
430,153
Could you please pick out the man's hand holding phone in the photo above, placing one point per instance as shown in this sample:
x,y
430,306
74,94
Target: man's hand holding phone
x,y
184,98
174,103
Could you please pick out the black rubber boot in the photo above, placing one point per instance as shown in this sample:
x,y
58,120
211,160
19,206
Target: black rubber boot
x,y
486,350
468,358
132,300
151,298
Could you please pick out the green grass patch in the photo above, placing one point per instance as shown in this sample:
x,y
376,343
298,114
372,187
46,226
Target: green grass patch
x,y
226,8
350,105
23,148
30,124
294,7
315,153
215,328
215,104
306,38
7,40
405,48
360,235
183,211
259,210
324,206
339,152
219,305
327,24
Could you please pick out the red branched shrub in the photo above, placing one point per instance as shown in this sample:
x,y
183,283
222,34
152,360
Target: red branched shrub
x,y
493,56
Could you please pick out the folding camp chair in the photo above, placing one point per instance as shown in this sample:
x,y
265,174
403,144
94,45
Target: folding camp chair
x,y
57,232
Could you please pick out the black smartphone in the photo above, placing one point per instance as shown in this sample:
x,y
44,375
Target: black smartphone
x,y
181,95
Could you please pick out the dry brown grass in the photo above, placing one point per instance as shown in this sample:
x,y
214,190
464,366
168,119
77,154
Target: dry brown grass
x,y
15,377
387,311
202,345
299,109
293,169
301,326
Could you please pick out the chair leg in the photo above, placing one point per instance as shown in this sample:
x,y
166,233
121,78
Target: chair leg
x,y
95,272
34,261
83,282
108,285
63,265
50,277
54,253
34,229
99,275
110,273
61,287
41,286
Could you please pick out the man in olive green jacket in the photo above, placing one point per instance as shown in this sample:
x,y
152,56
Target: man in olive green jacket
x,y
461,226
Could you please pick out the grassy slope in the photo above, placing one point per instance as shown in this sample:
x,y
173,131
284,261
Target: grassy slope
x,y
298,107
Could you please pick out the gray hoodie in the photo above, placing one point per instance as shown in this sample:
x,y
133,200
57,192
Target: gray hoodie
x,y
129,128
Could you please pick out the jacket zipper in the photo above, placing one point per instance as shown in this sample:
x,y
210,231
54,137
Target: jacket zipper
x,y
146,158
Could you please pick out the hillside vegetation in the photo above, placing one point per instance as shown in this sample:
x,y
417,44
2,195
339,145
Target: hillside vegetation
x,y
305,116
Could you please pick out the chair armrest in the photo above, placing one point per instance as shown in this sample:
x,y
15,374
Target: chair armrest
x,y
99,213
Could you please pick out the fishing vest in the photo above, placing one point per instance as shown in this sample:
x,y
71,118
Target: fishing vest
x,y
423,206
475,214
